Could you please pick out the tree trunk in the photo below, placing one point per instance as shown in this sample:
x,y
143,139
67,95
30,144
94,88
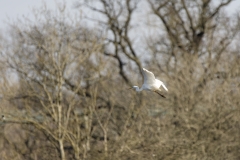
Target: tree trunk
x,y
62,149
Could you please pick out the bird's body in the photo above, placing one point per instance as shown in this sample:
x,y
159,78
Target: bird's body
x,y
150,83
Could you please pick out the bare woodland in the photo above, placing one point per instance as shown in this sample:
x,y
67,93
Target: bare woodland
x,y
63,82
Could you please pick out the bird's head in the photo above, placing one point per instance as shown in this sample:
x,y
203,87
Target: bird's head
x,y
136,88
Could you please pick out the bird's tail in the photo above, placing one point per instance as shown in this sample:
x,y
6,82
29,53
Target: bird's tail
x,y
164,87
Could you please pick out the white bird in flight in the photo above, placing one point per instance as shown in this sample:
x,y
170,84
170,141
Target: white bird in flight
x,y
150,83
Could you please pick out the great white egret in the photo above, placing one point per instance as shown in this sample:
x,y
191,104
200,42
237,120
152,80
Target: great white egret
x,y
150,83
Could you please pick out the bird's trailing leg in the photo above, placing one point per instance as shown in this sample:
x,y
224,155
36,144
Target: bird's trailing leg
x,y
160,94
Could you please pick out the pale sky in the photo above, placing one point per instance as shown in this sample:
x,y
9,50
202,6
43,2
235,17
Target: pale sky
x,y
10,10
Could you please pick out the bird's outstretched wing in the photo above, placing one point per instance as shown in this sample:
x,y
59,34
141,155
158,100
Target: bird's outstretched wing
x,y
148,76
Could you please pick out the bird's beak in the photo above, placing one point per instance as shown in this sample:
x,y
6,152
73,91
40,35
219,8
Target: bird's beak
x,y
129,88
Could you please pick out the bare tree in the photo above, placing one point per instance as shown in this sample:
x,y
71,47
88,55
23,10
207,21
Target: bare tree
x,y
69,101
195,51
53,64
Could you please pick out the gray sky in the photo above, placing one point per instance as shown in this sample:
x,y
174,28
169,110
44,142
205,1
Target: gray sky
x,y
10,10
